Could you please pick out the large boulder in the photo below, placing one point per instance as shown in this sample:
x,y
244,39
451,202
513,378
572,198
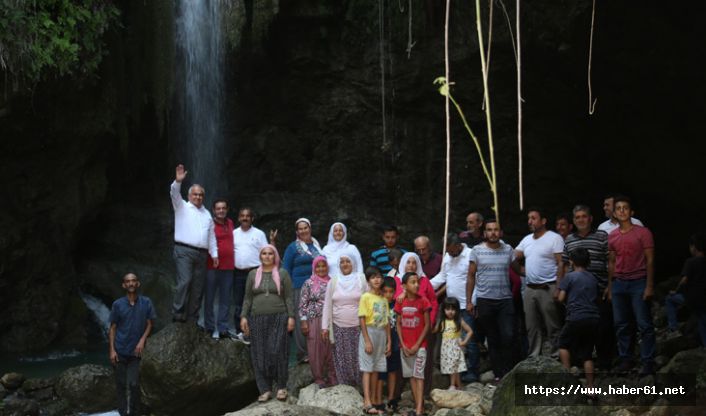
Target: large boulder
x,y
299,377
19,406
453,399
12,381
277,408
185,372
341,399
88,388
540,371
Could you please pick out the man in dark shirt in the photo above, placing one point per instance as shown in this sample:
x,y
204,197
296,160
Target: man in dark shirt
x,y
690,290
380,258
130,324
579,289
596,242
474,230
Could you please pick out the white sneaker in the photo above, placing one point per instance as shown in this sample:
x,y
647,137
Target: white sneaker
x,y
241,337
215,335
452,388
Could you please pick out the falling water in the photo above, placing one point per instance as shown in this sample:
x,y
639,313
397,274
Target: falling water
x,y
200,93
101,313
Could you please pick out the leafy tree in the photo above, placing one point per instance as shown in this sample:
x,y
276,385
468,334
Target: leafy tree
x,y
43,39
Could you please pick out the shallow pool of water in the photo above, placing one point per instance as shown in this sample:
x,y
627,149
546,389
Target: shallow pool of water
x,y
51,363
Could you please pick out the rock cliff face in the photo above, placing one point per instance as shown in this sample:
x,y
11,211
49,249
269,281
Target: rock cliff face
x,y
88,167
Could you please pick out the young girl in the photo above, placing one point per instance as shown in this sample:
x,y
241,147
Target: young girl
x,y
374,344
452,359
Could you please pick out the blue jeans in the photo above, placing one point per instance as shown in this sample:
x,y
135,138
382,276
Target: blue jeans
x,y
221,280
627,301
671,304
472,352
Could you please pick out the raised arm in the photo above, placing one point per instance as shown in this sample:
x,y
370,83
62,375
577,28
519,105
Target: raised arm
x,y
175,189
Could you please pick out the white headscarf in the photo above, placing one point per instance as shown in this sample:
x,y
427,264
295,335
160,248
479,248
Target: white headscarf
x,y
403,263
334,249
334,246
304,247
348,281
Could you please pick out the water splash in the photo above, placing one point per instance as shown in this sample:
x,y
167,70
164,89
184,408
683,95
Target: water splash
x,y
101,313
200,93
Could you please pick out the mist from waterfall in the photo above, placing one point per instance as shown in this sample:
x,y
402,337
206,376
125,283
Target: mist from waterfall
x,y
199,76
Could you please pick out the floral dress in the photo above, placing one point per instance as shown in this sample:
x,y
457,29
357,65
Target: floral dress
x,y
452,359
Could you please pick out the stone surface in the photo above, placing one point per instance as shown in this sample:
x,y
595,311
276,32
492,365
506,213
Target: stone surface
x,y
276,408
12,381
17,406
454,412
32,384
454,399
88,388
544,369
685,362
308,393
299,377
487,377
339,399
182,366
3,392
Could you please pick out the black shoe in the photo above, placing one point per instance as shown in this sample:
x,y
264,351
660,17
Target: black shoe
x,y
179,320
624,367
226,335
647,369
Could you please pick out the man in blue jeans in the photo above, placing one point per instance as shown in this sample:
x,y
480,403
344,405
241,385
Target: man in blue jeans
x,y
489,276
630,285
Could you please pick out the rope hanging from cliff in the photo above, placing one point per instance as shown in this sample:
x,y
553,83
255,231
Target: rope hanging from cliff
x,y
490,38
410,43
519,109
448,125
591,100
381,24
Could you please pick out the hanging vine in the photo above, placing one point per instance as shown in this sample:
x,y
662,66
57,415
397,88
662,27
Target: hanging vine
x,y
591,100
448,121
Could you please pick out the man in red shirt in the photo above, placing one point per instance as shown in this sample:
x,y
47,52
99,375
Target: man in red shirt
x,y
219,276
631,285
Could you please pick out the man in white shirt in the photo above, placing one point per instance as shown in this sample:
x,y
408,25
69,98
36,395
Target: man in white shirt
x,y
454,273
194,240
543,271
612,223
247,241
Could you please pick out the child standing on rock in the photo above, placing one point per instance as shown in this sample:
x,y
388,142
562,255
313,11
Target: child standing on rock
x,y
452,359
389,287
413,324
374,342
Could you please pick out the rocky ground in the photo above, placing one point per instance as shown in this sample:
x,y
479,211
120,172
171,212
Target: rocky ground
x,y
185,372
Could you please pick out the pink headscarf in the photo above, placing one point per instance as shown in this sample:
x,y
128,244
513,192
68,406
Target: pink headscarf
x,y
275,269
316,280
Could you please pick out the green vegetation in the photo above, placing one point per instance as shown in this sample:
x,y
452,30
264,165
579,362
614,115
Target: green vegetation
x,y
42,39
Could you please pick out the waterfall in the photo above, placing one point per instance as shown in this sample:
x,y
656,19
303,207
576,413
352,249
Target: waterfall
x,y
199,67
101,313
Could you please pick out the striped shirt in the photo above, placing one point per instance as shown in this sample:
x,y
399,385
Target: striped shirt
x,y
597,245
380,258
493,271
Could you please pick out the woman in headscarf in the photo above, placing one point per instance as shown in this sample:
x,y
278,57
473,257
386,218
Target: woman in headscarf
x,y
311,308
337,242
340,323
297,261
267,316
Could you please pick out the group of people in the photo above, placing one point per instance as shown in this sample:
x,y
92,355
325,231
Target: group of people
x,y
563,294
